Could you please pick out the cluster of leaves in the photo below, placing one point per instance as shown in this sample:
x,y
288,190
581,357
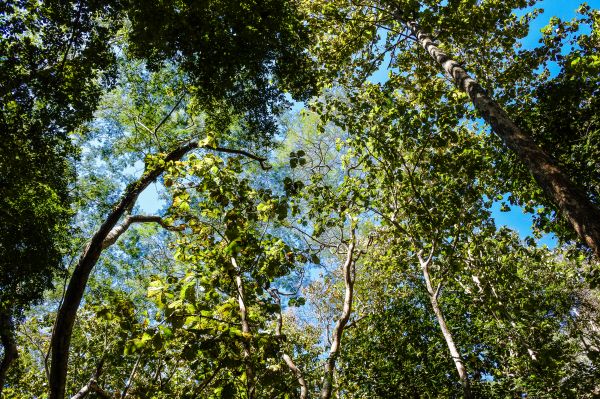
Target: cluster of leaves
x,y
239,57
515,326
229,256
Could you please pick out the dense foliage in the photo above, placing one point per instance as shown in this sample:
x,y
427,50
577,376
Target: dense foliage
x,y
172,225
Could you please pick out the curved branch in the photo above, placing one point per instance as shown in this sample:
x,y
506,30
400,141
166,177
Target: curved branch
x,y
117,231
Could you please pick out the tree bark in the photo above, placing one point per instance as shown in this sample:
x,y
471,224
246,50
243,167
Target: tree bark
x,y
250,377
348,269
456,357
92,386
572,202
105,236
7,336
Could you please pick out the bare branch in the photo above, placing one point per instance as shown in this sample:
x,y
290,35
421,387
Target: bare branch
x,y
166,118
131,376
261,160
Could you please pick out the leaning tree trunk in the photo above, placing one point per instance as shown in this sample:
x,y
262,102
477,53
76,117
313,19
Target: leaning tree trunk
x,y
456,357
571,201
7,336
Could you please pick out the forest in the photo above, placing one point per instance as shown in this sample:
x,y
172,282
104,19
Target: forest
x,y
263,199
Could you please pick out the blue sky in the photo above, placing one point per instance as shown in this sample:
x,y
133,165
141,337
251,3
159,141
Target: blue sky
x,y
564,9
516,219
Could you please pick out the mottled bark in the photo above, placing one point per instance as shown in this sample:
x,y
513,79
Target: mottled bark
x,y
334,351
572,202
250,375
9,344
433,297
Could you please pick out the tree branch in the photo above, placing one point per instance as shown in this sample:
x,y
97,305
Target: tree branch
x,y
130,380
250,372
261,160
348,269
92,386
117,231
166,118
286,358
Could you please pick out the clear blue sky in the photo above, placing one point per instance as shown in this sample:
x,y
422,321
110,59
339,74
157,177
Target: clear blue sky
x,y
149,201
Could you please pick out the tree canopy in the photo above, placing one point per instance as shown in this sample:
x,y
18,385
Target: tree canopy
x,y
298,199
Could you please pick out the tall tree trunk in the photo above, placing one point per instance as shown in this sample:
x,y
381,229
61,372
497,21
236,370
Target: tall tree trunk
x,y
250,377
103,238
572,202
456,357
348,270
9,344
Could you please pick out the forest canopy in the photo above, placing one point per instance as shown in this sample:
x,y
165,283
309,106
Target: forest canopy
x,y
299,199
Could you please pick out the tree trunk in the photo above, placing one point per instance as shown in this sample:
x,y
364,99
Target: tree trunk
x,y
572,202
250,383
456,357
349,264
7,336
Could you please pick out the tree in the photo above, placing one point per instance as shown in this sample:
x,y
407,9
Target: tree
x,y
461,27
428,183
348,252
558,112
272,48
